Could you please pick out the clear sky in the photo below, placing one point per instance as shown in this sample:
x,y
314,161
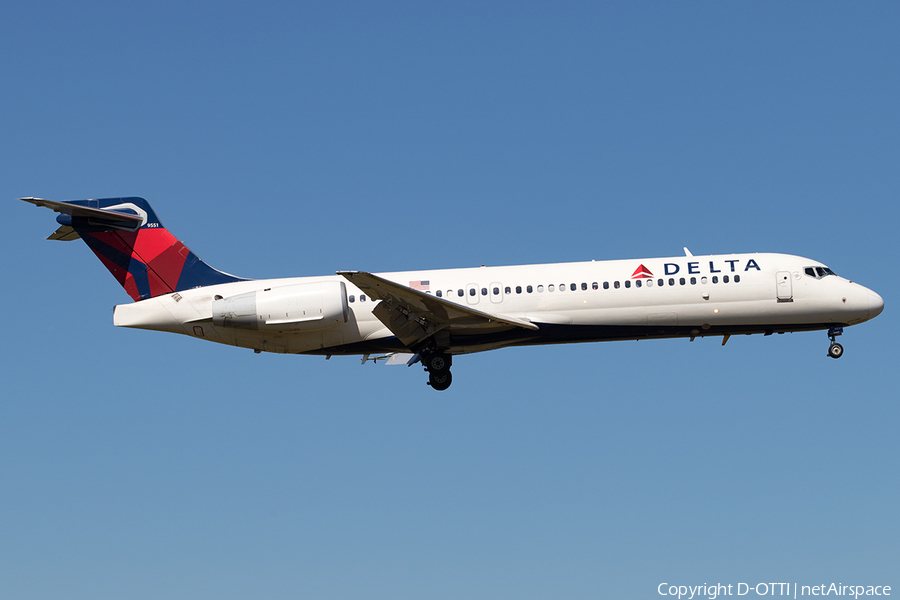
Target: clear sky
x,y
286,139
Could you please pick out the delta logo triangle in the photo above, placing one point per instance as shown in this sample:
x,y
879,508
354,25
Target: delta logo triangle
x,y
641,272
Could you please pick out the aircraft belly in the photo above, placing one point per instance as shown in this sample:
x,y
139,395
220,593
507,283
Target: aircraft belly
x,y
567,334
264,342
281,343
735,313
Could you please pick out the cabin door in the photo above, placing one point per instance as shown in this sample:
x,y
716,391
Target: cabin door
x,y
783,286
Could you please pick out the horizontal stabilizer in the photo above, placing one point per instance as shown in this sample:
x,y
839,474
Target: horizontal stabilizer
x,y
65,233
73,210
76,213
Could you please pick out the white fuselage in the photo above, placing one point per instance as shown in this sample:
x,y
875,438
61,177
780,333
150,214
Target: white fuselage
x,y
570,302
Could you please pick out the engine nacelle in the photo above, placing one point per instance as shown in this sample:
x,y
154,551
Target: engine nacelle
x,y
299,307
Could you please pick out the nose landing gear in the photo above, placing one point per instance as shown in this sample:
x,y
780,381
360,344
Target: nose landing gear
x,y
438,366
835,350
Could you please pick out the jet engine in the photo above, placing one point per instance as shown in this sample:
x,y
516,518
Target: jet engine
x,y
299,307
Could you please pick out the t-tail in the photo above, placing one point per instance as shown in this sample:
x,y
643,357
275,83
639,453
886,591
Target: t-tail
x,y
129,239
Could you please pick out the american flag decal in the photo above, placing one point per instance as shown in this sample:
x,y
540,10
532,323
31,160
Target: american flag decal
x,y
423,285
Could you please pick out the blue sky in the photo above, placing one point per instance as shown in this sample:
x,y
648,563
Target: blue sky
x,y
285,139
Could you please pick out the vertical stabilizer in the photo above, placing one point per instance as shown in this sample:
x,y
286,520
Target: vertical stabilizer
x,y
132,243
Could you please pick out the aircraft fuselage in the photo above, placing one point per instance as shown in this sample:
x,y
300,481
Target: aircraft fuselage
x,y
688,296
435,315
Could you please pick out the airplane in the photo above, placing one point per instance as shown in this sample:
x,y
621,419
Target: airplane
x,y
429,317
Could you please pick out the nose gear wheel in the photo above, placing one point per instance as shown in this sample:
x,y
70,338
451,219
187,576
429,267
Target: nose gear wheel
x,y
835,350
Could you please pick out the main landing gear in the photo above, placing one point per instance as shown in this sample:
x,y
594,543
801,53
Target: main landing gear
x,y
835,350
438,366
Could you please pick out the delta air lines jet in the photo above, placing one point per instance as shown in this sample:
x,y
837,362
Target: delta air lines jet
x,y
432,316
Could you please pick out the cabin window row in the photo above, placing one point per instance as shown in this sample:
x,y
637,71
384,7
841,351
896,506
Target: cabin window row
x,y
583,286
672,281
594,286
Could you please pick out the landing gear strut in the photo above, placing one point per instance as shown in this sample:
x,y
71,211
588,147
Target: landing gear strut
x,y
438,366
835,350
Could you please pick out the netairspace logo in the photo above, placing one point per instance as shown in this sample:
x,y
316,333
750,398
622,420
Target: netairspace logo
x,y
795,590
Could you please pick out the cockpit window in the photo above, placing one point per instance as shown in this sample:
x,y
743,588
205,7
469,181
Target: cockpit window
x,y
818,272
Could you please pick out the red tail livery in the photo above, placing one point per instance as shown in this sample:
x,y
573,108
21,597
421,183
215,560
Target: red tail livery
x,y
129,239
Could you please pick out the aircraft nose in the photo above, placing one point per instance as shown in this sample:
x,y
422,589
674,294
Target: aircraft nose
x,y
876,305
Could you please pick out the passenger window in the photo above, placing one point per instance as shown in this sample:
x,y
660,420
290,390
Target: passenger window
x,y
810,271
529,289
508,290
459,293
681,280
472,291
616,284
649,283
352,298
693,281
662,282
605,285
551,288
518,289
439,294
540,289
484,291
671,281
562,287
703,280
637,283
583,287
715,279
573,287
594,286
628,283
737,278
496,291
724,278
362,298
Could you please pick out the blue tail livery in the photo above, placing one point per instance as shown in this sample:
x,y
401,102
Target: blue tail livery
x,y
128,238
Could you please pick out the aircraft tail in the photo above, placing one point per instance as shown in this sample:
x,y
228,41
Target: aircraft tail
x,y
130,241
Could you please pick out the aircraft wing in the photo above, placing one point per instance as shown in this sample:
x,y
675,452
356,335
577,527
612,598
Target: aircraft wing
x,y
414,316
